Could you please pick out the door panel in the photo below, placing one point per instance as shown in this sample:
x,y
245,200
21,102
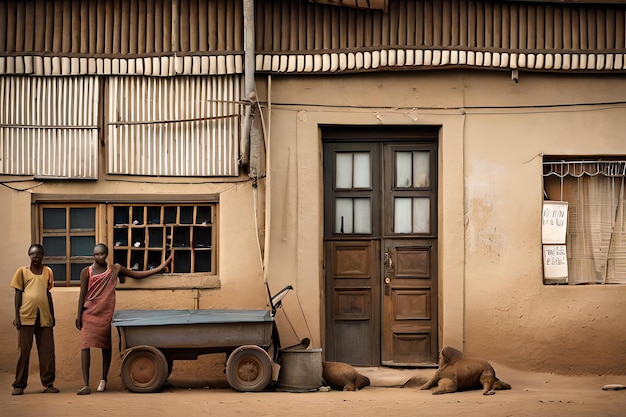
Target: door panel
x,y
352,302
380,195
409,307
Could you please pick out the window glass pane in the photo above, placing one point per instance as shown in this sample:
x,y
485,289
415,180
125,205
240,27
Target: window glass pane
x,y
421,215
421,169
203,261
343,215
120,257
362,168
201,237
402,215
203,215
362,215
83,218
81,245
76,268
182,261
54,218
344,170
182,237
58,270
120,215
55,246
404,169
155,237
170,215
186,215
154,215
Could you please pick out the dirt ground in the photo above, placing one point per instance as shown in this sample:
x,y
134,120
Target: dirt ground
x,y
532,395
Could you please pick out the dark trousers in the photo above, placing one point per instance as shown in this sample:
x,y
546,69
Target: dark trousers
x,y
45,348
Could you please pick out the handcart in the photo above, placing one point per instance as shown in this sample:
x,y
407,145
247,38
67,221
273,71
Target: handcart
x,y
151,340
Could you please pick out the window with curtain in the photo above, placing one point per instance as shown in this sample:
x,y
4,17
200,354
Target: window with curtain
x,y
595,237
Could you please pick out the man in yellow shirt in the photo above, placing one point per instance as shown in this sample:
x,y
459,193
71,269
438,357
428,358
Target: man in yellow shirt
x,y
34,316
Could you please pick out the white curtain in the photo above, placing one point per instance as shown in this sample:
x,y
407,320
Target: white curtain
x,y
596,238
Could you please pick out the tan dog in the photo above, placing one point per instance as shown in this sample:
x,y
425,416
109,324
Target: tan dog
x,y
343,377
457,373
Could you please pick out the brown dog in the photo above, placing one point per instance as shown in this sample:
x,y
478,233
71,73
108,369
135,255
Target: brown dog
x,y
343,377
457,373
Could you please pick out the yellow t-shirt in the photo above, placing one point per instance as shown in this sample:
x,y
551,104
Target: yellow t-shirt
x,y
34,295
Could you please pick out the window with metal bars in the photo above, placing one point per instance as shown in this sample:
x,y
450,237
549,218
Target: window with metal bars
x,y
139,236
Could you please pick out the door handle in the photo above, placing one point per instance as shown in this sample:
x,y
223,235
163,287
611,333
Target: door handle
x,y
387,286
388,261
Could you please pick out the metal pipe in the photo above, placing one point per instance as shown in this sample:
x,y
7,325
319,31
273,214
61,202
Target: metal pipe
x,y
249,95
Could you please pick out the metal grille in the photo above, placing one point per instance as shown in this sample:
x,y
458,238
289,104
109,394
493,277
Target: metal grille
x,y
48,126
183,126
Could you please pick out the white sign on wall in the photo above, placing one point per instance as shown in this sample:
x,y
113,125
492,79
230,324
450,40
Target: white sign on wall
x,y
554,222
554,264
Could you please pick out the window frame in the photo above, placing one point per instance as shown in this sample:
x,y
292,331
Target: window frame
x,y
130,241
68,259
104,232
558,175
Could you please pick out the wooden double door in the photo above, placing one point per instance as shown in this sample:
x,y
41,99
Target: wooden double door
x,y
380,237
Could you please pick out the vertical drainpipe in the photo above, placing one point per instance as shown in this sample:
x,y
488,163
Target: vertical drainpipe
x,y
249,90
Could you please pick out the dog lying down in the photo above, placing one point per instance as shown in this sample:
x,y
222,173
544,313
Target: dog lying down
x,y
343,377
457,373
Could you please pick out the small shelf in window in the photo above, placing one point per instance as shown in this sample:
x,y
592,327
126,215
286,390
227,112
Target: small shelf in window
x,y
138,238
120,236
138,213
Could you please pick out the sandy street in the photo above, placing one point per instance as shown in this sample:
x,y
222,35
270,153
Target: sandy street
x,y
532,395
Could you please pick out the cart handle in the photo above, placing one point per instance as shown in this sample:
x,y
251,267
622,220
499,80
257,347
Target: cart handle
x,y
276,299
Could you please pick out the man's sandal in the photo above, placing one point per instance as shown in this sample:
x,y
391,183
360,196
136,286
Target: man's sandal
x,y
17,391
84,390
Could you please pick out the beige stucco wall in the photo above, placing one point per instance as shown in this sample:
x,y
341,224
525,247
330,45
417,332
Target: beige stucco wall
x,y
492,301
240,269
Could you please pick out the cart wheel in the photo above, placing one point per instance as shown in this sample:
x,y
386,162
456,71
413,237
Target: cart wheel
x,y
144,369
249,368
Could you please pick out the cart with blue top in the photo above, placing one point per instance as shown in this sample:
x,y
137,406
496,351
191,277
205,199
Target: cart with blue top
x,y
150,341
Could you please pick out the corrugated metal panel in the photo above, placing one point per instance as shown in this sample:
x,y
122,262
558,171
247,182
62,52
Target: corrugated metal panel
x,y
183,126
395,59
48,127
163,66
286,25
198,37
120,27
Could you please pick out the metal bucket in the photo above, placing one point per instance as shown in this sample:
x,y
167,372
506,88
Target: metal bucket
x,y
300,370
